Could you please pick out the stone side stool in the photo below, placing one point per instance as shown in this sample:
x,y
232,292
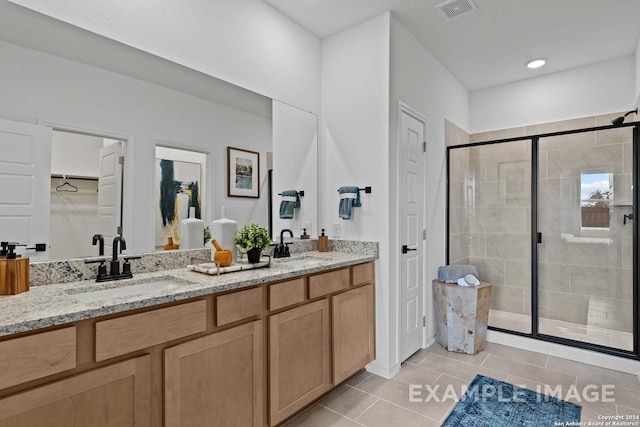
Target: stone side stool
x,y
462,316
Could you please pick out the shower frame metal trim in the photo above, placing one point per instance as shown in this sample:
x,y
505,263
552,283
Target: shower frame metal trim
x,y
633,354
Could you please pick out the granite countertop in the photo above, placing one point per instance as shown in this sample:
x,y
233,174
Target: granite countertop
x,y
51,305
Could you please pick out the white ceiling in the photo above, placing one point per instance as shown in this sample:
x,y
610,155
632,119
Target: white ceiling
x,y
489,46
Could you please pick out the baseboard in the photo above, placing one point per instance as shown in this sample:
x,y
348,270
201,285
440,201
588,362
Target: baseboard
x,y
383,371
566,352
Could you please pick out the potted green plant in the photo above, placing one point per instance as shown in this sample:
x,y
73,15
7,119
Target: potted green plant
x,y
253,239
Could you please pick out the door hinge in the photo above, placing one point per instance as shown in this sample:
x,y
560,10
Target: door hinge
x,y
424,320
121,160
424,234
119,230
424,146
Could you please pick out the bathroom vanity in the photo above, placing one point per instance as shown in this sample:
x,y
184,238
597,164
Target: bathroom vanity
x,y
244,349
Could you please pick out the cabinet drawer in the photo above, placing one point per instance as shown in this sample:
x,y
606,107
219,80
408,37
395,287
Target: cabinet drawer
x,y
36,356
362,274
130,333
286,293
238,305
328,283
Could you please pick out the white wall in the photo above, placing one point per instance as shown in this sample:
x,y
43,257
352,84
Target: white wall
x,y
295,166
354,149
40,86
638,74
587,91
73,220
75,154
420,81
245,42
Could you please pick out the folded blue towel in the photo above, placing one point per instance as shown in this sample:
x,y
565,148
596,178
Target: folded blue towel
x,y
451,273
349,197
287,205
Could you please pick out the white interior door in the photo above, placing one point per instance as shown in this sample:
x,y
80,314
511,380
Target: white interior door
x,y
25,180
412,223
110,193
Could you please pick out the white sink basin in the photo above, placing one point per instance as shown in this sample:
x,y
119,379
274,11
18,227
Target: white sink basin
x,y
163,284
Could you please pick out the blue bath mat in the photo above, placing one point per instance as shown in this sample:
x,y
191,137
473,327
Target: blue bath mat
x,y
492,403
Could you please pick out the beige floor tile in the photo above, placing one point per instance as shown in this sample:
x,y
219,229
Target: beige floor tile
x,y
474,359
358,378
414,374
627,411
525,370
400,393
446,382
458,369
385,414
418,356
627,399
317,416
524,356
582,369
348,401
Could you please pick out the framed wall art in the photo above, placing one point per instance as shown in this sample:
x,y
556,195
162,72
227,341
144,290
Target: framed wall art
x,y
243,169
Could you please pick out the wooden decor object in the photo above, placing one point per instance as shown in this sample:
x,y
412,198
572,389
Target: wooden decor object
x,y
14,276
462,316
222,256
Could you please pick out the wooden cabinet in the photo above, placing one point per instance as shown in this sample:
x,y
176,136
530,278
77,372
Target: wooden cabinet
x,y
299,358
199,362
113,396
216,380
353,331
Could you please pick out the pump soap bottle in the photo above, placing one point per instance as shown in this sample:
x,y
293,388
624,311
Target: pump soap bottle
x,y
323,242
14,272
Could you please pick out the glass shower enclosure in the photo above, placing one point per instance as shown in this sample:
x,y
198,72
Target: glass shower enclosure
x,y
548,220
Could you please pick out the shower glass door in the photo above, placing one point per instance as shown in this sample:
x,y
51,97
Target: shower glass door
x,y
585,241
490,225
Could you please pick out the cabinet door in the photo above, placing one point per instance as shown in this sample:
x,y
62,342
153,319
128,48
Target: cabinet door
x,y
299,358
113,396
353,331
216,380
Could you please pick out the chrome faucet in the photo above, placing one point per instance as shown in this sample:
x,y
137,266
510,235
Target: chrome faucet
x,y
282,248
98,238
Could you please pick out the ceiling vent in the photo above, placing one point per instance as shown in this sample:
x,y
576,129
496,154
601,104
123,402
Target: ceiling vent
x,y
454,8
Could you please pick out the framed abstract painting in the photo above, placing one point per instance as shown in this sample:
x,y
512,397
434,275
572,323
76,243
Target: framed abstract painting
x,y
243,173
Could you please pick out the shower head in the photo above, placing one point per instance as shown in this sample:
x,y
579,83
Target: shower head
x,y
619,120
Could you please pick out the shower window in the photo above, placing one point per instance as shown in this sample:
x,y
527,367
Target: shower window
x,y
596,193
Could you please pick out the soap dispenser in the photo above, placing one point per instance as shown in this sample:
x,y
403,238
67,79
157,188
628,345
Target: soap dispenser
x,y
14,272
323,242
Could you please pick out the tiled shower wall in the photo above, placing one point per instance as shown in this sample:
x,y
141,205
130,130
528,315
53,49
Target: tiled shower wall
x,y
491,212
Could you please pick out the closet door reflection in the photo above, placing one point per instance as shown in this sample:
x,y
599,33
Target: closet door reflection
x,y
585,259
490,225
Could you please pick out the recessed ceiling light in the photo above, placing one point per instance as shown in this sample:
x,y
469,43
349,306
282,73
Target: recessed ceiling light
x,y
536,63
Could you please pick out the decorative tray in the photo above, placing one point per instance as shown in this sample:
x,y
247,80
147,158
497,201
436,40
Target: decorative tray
x,y
213,268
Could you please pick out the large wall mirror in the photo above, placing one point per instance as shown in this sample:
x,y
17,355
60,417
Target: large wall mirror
x,y
54,85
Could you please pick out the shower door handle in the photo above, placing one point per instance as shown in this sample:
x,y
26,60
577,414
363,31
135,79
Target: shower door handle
x,y
626,217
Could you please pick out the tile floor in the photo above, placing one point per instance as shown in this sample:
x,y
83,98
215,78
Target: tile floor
x,y
369,400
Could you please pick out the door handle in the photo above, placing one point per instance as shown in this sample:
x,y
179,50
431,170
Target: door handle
x,y
406,249
626,217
